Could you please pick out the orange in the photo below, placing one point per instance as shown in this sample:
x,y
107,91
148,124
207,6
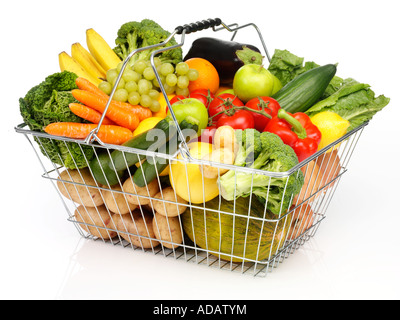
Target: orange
x,y
208,75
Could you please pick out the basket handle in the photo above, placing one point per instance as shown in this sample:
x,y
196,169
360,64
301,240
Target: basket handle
x,y
181,30
198,26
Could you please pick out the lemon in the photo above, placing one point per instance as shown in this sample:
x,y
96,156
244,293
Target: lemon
x,y
187,178
331,125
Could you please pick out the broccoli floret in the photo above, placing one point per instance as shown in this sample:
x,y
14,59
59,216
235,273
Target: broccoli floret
x,y
249,148
281,189
127,39
134,35
271,141
47,103
275,156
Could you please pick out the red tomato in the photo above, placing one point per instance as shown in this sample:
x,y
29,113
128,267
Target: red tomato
x,y
221,103
176,99
267,104
204,95
238,119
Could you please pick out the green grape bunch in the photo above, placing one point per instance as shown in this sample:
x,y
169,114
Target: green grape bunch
x,y
139,84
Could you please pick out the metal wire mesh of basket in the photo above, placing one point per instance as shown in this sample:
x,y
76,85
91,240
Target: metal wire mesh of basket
x,y
182,213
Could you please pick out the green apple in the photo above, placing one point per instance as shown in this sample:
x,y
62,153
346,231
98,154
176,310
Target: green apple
x,y
190,108
230,91
277,85
251,81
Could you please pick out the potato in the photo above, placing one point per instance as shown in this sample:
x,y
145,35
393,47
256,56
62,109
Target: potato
x,y
312,182
222,155
329,167
78,193
168,229
133,227
89,217
225,137
117,202
169,209
302,220
148,191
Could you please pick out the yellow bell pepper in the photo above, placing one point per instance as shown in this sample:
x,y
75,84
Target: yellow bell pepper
x,y
146,124
163,110
187,178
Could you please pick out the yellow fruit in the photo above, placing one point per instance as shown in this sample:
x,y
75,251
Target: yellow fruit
x,y
187,178
70,64
146,124
101,51
162,113
87,61
331,125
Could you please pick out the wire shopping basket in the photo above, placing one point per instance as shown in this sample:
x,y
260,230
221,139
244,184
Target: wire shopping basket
x,y
242,234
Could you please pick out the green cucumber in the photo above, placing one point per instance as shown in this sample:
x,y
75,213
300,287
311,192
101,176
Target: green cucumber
x,y
121,160
153,166
101,171
305,90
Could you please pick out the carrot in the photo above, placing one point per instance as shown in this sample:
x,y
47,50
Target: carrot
x,y
141,112
89,114
109,134
120,116
85,84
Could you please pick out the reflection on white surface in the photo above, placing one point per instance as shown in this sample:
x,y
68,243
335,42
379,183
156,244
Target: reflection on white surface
x,y
100,270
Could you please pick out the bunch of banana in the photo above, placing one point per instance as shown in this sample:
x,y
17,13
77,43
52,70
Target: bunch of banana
x,y
93,64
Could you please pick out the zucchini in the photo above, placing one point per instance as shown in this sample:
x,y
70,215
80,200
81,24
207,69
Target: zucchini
x,y
305,90
152,167
121,160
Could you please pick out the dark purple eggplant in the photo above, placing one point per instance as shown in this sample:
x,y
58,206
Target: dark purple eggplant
x,y
226,56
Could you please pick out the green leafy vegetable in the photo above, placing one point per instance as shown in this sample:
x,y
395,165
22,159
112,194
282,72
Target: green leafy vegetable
x,y
286,66
134,35
264,151
352,100
47,103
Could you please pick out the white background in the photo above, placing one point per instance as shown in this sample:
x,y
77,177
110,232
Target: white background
x,y
355,253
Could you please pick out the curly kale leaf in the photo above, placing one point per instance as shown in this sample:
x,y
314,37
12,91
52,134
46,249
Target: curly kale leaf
x,y
47,103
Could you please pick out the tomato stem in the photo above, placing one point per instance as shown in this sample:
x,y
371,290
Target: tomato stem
x,y
230,109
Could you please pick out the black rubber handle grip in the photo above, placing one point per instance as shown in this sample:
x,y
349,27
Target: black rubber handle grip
x,y
198,26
